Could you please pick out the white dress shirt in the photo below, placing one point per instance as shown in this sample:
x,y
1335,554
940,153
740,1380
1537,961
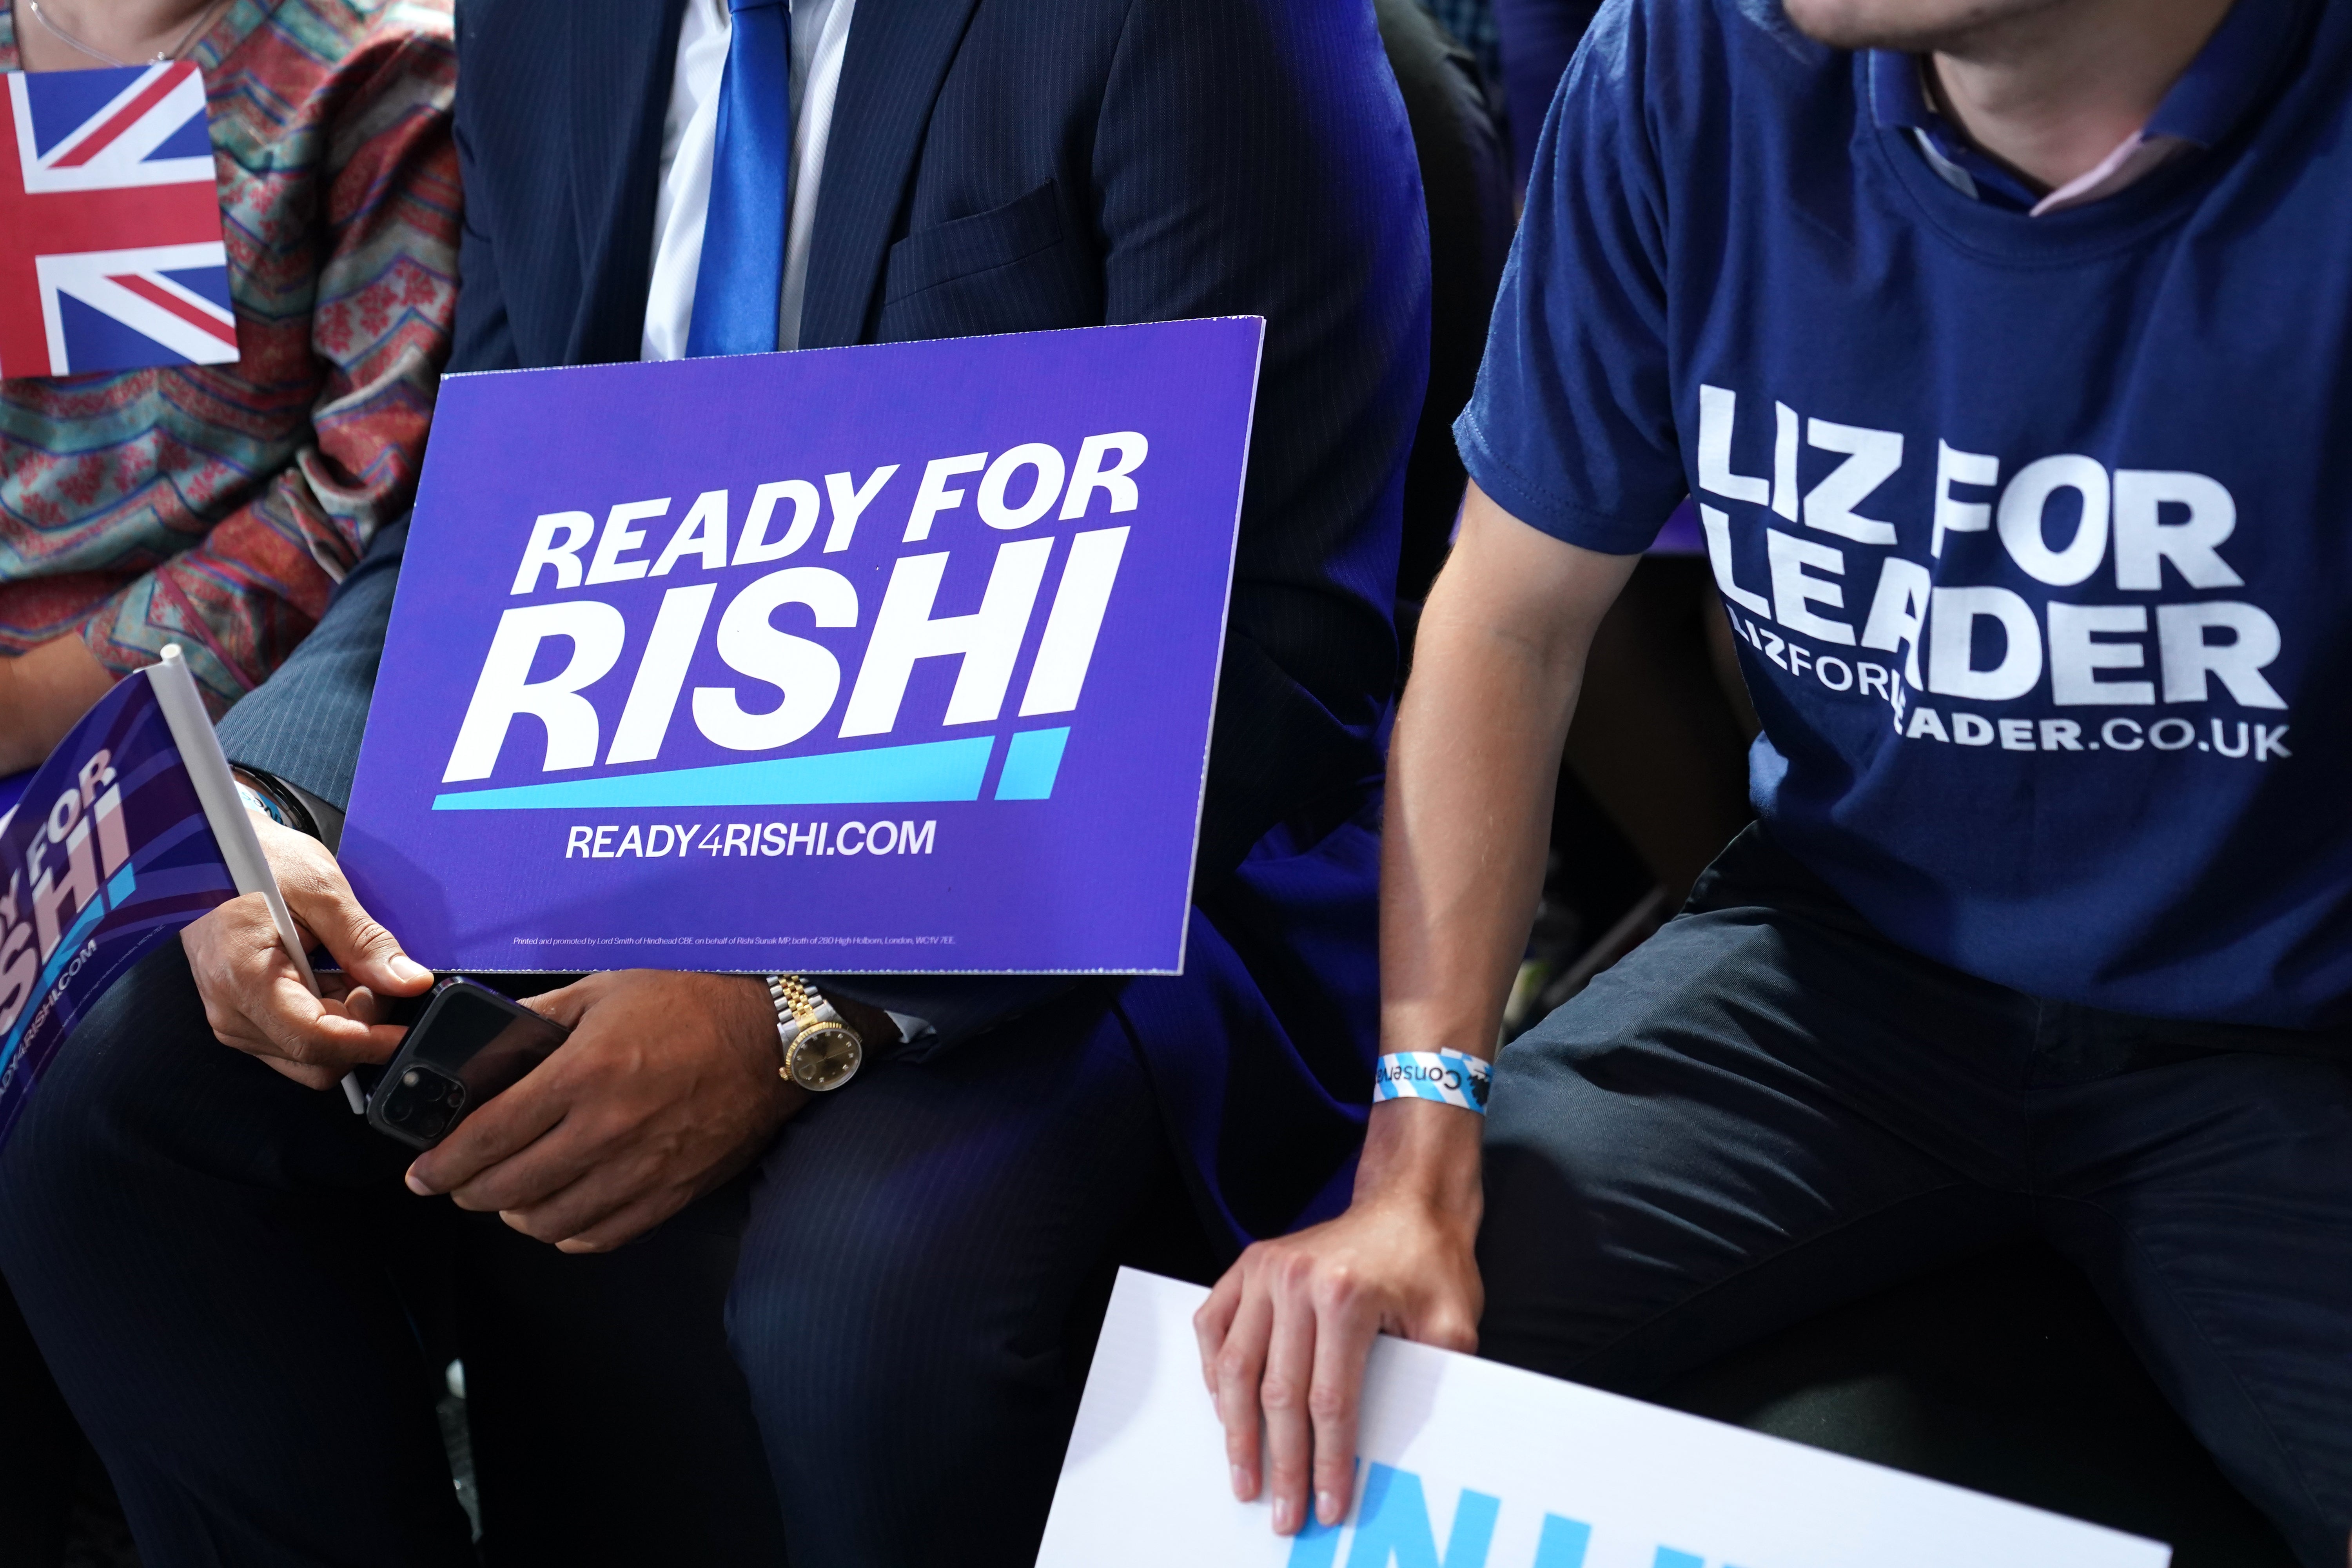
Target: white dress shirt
x,y
690,139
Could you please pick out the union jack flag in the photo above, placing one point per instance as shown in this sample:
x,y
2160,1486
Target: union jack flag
x,y
110,254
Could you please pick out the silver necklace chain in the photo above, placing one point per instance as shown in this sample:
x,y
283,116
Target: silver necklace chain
x,y
57,32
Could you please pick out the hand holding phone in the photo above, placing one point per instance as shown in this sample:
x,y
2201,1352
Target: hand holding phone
x,y
468,1043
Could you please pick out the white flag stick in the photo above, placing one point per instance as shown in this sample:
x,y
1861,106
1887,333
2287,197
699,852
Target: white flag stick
x,y
207,764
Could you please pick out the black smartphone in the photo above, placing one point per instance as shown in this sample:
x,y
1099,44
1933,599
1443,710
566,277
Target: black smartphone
x,y
466,1044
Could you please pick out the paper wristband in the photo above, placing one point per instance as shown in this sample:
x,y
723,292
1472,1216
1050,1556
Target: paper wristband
x,y
257,801
1451,1078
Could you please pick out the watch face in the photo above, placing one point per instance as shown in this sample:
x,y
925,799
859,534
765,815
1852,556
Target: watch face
x,y
824,1056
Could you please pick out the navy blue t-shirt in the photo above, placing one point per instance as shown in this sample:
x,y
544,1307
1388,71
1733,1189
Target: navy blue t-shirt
x,y
2037,532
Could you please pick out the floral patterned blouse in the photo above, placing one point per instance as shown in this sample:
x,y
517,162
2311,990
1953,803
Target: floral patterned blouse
x,y
216,505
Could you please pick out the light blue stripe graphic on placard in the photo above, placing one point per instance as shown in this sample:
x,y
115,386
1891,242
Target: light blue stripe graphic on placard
x,y
1030,761
1563,1543
885,775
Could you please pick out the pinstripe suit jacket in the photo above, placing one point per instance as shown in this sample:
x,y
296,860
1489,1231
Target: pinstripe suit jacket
x,y
1007,165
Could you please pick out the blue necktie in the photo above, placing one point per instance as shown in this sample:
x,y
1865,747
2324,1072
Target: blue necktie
x,y
735,288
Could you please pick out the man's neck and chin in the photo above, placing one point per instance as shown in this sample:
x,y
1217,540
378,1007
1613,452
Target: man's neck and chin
x,y
2049,87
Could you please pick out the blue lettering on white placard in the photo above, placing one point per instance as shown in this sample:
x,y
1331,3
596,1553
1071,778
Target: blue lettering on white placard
x,y
1393,1530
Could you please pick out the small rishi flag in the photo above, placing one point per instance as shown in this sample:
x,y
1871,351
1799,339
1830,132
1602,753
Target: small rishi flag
x,y
111,253
130,831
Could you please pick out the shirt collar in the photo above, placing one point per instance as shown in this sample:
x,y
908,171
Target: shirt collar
x,y
2231,73
2222,84
1899,101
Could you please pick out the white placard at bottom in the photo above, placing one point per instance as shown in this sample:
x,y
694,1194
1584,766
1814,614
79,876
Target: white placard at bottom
x,y
1468,1464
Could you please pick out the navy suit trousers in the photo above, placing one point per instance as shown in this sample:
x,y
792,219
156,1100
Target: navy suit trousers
x,y
1768,1108
250,1313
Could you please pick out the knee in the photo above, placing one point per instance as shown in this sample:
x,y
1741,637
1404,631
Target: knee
x,y
872,1295
1562,1128
827,1292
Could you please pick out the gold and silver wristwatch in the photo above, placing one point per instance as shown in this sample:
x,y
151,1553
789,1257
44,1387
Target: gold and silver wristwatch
x,y
821,1050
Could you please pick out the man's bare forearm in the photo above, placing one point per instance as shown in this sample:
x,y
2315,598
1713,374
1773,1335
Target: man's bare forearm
x,y
1472,773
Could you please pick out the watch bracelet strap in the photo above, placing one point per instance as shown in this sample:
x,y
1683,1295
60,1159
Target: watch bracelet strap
x,y
799,1004
1449,1077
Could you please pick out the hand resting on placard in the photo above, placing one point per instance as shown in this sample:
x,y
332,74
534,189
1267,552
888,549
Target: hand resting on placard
x,y
1285,1334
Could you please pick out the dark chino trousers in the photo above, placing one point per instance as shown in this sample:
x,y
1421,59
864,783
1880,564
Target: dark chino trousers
x,y
1767,1109
885,1326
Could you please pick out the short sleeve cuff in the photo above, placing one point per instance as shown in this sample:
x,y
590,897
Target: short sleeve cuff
x,y
1544,509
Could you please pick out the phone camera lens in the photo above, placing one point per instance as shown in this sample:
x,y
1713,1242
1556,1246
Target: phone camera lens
x,y
424,1102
